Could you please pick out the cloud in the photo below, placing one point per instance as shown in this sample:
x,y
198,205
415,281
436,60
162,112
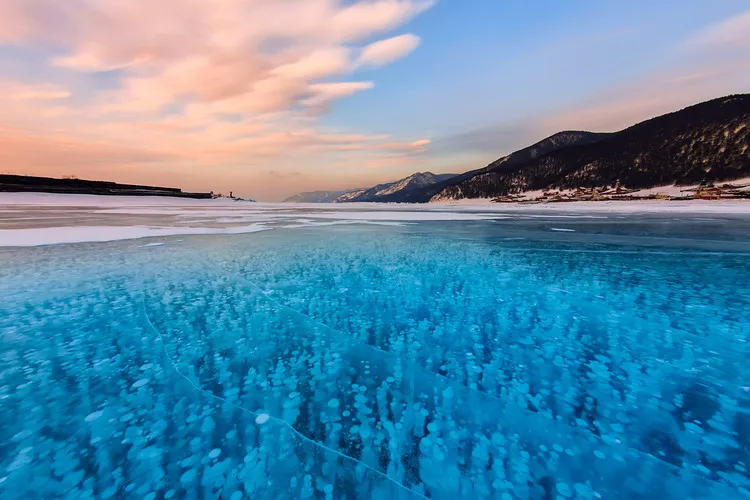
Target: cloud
x,y
181,67
90,61
38,93
611,109
386,51
316,65
732,32
658,93
322,94
363,19
18,92
38,151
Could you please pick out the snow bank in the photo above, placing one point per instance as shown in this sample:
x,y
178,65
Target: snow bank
x,y
625,207
25,237
669,190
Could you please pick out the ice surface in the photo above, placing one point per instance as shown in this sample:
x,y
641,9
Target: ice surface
x,y
32,219
43,219
441,359
78,234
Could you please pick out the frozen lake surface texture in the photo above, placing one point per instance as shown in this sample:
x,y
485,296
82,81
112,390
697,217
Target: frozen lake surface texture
x,y
209,350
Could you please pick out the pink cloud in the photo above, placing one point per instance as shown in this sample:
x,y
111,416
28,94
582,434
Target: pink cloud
x,y
386,51
90,61
364,19
734,31
188,49
659,93
319,64
323,93
50,154
39,94
265,63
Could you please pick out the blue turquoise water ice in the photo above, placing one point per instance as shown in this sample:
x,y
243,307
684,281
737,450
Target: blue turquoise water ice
x,y
442,360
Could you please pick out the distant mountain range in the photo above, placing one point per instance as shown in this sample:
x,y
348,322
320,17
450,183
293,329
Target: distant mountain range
x,y
708,141
552,143
317,196
394,191
391,191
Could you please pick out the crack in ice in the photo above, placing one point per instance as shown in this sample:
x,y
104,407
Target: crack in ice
x,y
263,417
433,374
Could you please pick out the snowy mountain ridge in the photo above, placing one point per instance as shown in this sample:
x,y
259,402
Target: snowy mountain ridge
x,y
318,196
709,141
393,191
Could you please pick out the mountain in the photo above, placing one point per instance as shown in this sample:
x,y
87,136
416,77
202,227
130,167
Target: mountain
x,y
394,191
708,141
317,196
551,143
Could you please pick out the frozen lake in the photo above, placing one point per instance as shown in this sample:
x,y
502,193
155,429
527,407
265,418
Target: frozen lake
x,y
186,349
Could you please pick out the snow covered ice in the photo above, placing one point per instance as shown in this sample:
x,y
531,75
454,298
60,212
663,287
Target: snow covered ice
x,y
485,357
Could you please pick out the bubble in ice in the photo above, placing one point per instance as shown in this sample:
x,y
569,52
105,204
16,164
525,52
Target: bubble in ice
x,y
140,383
93,416
188,476
480,369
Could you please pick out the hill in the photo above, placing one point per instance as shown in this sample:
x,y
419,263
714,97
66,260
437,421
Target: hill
x,y
394,191
551,143
704,142
317,196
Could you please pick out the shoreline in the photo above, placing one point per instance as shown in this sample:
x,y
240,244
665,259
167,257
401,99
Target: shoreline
x,y
218,207
47,219
10,199
15,183
650,206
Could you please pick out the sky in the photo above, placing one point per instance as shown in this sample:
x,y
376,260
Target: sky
x,y
267,98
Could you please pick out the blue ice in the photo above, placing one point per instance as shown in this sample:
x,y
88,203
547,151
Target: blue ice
x,y
435,361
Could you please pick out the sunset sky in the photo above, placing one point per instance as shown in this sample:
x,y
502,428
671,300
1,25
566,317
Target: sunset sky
x,y
267,98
